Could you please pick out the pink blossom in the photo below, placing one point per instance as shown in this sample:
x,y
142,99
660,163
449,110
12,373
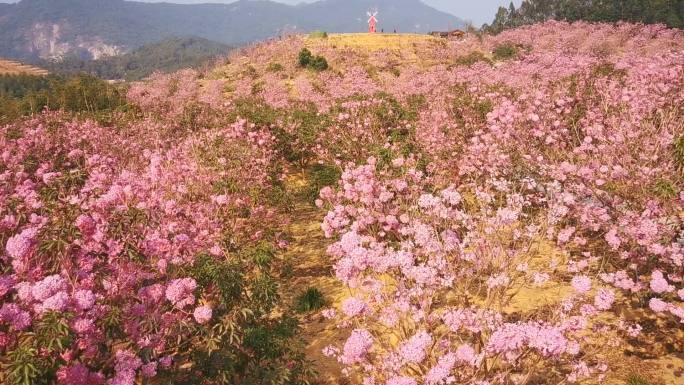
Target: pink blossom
x,y
401,381
84,299
48,287
581,283
6,284
466,354
85,224
414,349
604,299
78,374
149,370
179,292
441,370
659,284
565,234
202,314
125,368
20,246
58,302
613,239
353,306
356,347
498,280
14,316
657,305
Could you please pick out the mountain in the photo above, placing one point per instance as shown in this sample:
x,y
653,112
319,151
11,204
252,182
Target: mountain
x,y
97,28
165,56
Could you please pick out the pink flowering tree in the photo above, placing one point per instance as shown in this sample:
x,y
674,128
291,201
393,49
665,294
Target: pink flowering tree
x,y
139,251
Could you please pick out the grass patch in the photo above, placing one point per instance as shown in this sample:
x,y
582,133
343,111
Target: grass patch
x,y
608,70
665,189
472,58
274,67
506,51
311,299
635,379
679,153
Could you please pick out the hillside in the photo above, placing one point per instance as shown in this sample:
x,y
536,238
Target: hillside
x,y
496,209
95,28
165,56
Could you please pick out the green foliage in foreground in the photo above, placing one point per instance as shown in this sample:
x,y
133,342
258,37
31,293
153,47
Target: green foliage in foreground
x,y
247,346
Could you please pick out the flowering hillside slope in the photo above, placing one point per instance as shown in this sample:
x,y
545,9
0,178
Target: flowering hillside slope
x,y
498,210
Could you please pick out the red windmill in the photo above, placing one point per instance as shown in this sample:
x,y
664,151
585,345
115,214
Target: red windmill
x,y
372,21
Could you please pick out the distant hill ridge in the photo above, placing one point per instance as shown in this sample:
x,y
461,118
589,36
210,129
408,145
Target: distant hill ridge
x,y
96,28
166,56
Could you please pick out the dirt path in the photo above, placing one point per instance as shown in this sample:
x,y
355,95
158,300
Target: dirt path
x,y
312,268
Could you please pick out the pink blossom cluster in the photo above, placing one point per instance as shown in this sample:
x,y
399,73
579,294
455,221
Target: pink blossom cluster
x,y
405,250
99,226
567,147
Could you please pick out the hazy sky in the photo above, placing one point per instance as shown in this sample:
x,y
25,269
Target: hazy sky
x,y
477,11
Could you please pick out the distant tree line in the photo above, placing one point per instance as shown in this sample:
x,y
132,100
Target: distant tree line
x,y
669,12
25,95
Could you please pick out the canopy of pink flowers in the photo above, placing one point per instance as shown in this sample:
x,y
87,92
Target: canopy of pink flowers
x,y
463,185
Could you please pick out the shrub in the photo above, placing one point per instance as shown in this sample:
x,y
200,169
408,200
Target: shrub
x,y
298,133
307,60
130,284
305,57
318,63
318,35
